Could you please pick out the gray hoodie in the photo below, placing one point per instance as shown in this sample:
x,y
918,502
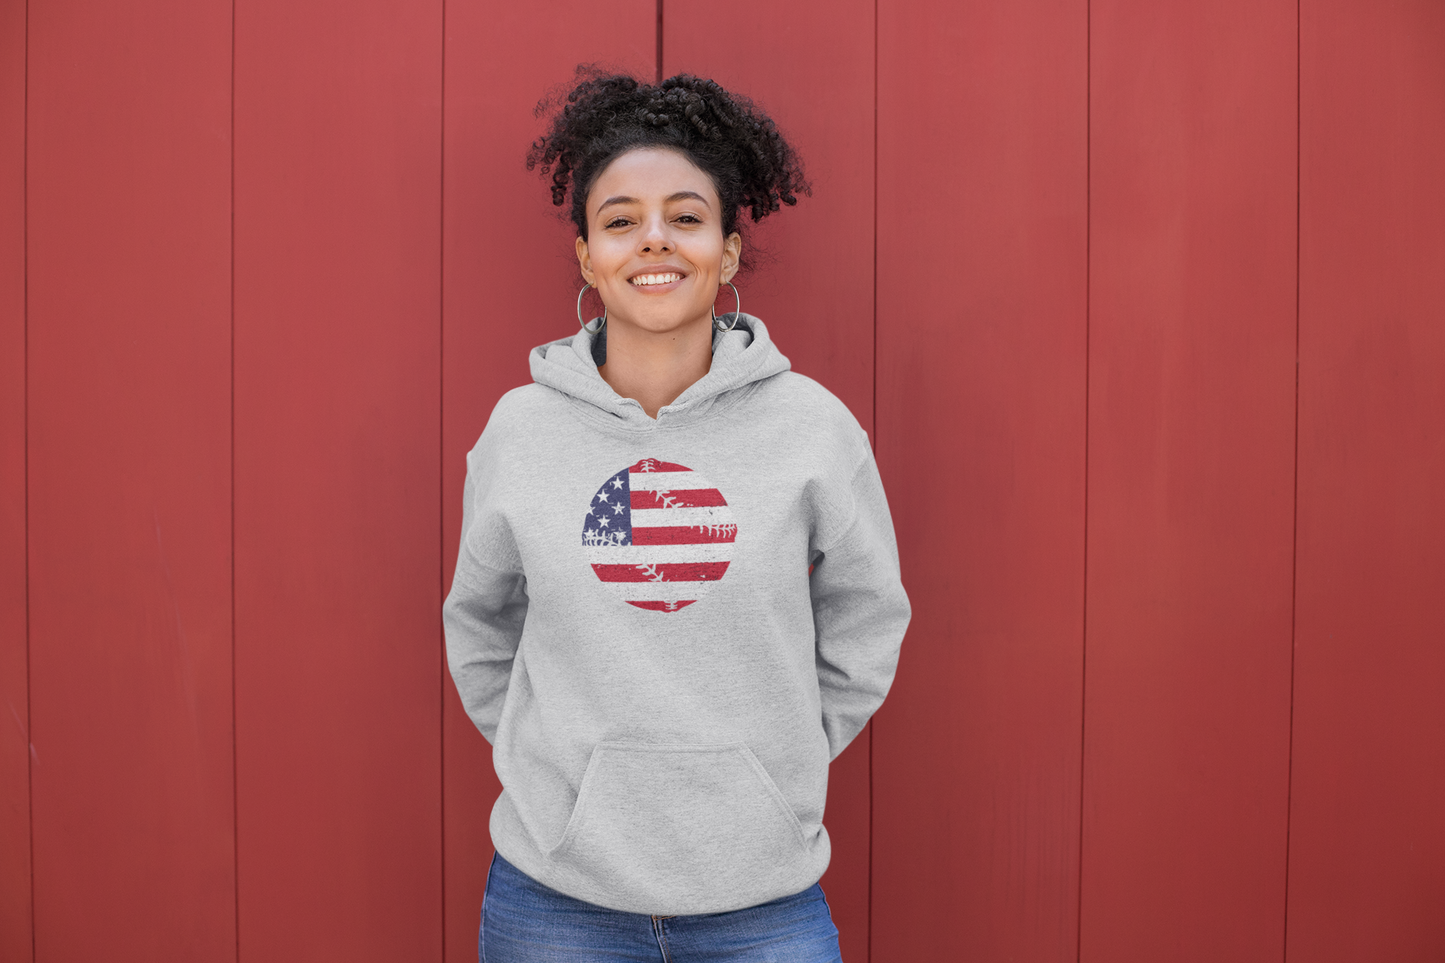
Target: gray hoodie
x,y
634,628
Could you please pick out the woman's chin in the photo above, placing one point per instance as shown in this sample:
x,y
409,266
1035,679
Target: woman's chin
x,y
660,323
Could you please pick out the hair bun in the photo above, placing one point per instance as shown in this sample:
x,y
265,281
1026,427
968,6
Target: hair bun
x,y
725,134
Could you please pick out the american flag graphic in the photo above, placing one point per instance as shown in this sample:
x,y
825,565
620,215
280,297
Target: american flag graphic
x,y
658,535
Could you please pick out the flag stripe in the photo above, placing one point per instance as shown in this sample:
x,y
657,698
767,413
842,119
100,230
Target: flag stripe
x,y
664,481
662,606
714,517
655,554
668,572
649,465
679,498
683,535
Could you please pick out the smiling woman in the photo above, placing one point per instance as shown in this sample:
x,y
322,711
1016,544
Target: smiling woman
x,y
657,255
664,694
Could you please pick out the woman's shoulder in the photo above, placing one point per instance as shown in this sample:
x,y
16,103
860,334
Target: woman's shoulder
x,y
808,401
516,414
523,401
799,389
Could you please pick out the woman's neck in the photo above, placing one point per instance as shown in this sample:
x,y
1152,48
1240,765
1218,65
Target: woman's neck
x,y
652,368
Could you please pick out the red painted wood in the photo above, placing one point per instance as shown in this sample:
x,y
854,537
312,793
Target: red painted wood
x,y
15,930
129,479
1191,480
1367,841
337,360
510,284
380,313
813,72
981,355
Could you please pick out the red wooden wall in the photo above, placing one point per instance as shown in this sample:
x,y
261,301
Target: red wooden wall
x,y
1143,305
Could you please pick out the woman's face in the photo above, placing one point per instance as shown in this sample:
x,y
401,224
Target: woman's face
x,y
656,251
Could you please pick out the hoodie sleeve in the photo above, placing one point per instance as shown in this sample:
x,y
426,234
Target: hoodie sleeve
x,y
860,610
486,607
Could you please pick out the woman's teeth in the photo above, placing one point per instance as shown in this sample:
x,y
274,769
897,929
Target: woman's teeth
x,y
656,278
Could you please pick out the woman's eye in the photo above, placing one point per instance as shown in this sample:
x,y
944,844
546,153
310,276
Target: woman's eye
x,y
690,219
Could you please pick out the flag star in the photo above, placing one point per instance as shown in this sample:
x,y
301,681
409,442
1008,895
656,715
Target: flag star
x,y
604,521
617,509
602,496
617,483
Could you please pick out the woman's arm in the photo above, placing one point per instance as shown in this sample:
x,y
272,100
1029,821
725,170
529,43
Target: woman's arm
x,y
484,612
860,610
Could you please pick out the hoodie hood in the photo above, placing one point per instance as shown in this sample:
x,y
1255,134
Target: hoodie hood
x,y
740,357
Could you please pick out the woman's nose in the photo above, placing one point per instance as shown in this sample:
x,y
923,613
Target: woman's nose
x,y
654,236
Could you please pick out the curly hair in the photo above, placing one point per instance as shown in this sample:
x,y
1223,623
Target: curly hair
x,y
724,134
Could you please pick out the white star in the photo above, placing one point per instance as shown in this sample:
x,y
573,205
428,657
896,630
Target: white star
x,y
602,496
617,509
603,520
617,483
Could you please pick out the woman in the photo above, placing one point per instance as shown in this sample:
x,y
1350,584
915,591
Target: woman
x,y
677,597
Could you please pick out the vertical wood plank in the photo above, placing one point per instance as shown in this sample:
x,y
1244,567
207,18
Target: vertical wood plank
x,y
1367,841
812,71
338,648
1191,478
813,74
15,929
981,411
510,284
129,479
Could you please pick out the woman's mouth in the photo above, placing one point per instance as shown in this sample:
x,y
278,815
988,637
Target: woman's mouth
x,y
651,280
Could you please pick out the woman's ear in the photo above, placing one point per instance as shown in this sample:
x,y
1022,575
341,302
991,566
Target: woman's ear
x,y
732,255
584,260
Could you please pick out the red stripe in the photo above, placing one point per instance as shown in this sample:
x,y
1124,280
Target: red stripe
x,y
662,606
685,498
670,572
654,465
683,535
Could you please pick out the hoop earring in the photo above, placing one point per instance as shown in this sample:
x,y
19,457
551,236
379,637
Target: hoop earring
x,y
737,311
600,324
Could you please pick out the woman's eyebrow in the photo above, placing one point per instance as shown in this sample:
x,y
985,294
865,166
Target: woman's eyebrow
x,y
679,196
615,200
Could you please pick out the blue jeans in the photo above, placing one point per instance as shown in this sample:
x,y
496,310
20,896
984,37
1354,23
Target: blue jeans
x,y
526,922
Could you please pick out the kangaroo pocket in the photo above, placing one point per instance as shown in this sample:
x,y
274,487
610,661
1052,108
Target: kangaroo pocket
x,y
675,825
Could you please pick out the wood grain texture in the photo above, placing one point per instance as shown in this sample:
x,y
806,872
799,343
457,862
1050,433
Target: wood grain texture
x,y
511,283
1367,842
981,392
809,269
1191,480
1063,250
338,514
813,74
129,479
15,928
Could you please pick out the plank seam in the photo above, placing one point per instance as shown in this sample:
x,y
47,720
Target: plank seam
x,y
874,417
1294,535
868,913
235,730
25,461
1088,311
441,469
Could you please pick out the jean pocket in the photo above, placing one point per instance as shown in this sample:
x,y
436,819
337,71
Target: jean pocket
x,y
688,821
